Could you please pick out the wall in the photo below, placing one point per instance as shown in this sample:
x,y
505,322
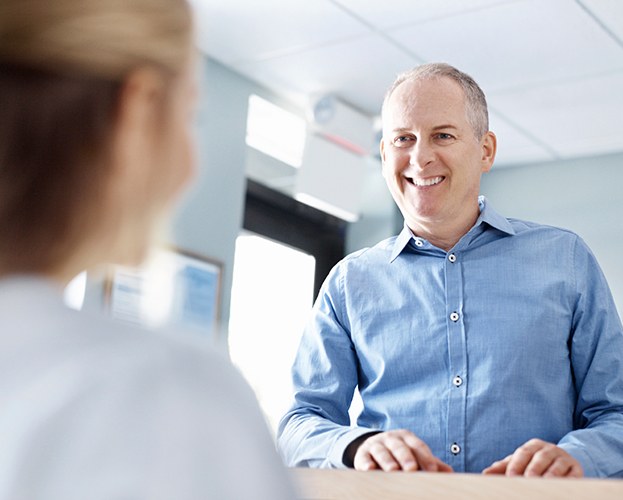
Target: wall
x,y
210,217
379,217
583,195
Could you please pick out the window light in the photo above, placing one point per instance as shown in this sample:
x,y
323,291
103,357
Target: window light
x,y
275,131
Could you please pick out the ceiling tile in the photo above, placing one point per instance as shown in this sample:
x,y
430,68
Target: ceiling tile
x,y
515,147
518,43
392,13
608,12
576,118
235,30
358,71
552,70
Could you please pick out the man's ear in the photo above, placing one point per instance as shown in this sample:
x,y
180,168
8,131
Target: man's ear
x,y
489,148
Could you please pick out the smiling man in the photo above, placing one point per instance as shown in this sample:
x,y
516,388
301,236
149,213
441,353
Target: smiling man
x,y
433,157
478,343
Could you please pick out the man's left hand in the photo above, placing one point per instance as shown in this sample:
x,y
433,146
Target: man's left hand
x,y
537,458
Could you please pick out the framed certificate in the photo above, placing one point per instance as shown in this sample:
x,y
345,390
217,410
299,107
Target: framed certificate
x,y
174,288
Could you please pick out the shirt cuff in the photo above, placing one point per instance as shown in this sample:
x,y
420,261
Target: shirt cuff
x,y
336,456
577,452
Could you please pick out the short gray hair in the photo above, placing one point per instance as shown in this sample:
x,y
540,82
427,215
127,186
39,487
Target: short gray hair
x,y
475,101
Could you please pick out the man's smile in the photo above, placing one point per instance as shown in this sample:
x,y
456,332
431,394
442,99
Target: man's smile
x,y
431,181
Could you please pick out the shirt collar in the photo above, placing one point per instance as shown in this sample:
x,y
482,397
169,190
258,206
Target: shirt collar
x,y
491,217
487,214
402,240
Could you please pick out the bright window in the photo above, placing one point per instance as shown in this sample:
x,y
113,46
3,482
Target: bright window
x,y
272,294
275,131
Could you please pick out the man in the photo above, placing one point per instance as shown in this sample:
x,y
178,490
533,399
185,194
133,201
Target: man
x,y
478,343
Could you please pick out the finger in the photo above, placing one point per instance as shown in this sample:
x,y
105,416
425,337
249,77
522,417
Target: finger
x,y
383,457
575,471
402,454
564,466
522,457
561,467
363,461
408,450
442,466
498,467
423,455
544,459
378,452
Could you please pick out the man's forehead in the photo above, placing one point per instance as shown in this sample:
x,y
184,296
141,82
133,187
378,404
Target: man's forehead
x,y
431,97
413,89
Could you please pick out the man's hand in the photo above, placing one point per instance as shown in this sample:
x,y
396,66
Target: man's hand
x,y
537,458
397,450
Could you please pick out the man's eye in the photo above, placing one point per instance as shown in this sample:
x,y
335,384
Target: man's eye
x,y
444,136
402,140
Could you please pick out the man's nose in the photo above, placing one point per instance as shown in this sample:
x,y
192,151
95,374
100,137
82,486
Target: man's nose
x,y
422,154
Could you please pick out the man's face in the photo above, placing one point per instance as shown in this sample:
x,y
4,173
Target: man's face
x,y
432,160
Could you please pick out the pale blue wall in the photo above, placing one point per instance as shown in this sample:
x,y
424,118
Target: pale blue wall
x,y
210,216
583,195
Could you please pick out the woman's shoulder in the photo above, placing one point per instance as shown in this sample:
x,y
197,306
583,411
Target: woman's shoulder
x,y
38,330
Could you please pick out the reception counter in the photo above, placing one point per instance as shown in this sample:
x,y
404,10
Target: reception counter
x,y
325,484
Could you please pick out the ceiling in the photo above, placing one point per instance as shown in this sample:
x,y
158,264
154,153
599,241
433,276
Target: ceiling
x,y
552,69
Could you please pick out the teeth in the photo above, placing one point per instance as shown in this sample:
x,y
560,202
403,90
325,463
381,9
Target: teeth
x,y
427,182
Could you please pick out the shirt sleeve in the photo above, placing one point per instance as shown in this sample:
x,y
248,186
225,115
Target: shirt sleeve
x,y
316,430
596,350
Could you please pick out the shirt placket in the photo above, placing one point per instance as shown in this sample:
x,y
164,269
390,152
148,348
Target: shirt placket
x,y
457,351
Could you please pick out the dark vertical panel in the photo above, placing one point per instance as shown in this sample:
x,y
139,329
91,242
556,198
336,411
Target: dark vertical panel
x,y
277,216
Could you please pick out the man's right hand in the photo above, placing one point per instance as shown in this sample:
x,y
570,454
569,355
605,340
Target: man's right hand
x,y
397,450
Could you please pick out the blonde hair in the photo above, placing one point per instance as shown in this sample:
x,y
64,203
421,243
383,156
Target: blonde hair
x,y
62,67
475,100
102,38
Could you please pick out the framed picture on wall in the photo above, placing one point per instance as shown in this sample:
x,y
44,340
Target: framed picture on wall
x,y
174,288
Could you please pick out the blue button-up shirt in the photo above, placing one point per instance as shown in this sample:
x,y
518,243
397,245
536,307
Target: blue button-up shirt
x,y
511,335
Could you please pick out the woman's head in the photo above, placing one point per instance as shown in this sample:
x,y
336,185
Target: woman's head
x,y
95,103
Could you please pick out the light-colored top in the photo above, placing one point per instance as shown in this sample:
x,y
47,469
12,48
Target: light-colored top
x,y
91,409
511,335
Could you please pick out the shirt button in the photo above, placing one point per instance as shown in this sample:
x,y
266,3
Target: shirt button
x,y
455,449
457,381
454,316
419,243
452,258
